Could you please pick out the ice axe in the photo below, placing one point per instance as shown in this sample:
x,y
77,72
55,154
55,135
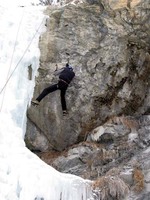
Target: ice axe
x,y
68,54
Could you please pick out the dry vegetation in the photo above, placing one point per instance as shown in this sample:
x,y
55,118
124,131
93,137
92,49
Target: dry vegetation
x,y
138,178
126,121
110,187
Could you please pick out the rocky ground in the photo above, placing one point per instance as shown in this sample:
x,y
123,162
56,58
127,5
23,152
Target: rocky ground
x,y
114,149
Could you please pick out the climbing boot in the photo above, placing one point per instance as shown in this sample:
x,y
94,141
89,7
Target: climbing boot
x,y
35,103
65,112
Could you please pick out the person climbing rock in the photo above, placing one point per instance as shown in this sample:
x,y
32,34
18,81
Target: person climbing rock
x,y
66,74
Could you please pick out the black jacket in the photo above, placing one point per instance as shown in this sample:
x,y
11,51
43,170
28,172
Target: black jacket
x,y
67,74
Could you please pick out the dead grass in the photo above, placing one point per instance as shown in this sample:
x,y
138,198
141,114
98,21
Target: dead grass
x,y
49,157
138,178
126,121
110,187
118,4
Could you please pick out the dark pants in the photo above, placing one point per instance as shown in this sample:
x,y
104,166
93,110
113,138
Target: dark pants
x,y
59,86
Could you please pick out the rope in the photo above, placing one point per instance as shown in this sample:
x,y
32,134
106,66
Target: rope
x,y
11,59
22,56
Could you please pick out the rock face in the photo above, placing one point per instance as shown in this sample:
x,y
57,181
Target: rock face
x,y
106,133
108,43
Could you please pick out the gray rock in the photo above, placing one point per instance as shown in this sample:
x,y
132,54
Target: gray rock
x,y
111,70
107,43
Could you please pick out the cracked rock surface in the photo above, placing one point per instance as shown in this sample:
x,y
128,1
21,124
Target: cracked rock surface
x,y
108,126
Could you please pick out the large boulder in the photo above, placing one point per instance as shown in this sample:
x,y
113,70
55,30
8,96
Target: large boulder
x,y
107,43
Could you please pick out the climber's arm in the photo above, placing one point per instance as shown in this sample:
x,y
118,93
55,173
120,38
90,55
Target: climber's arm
x,y
58,71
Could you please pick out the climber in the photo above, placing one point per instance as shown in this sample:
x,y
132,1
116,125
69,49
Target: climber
x,y
66,74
